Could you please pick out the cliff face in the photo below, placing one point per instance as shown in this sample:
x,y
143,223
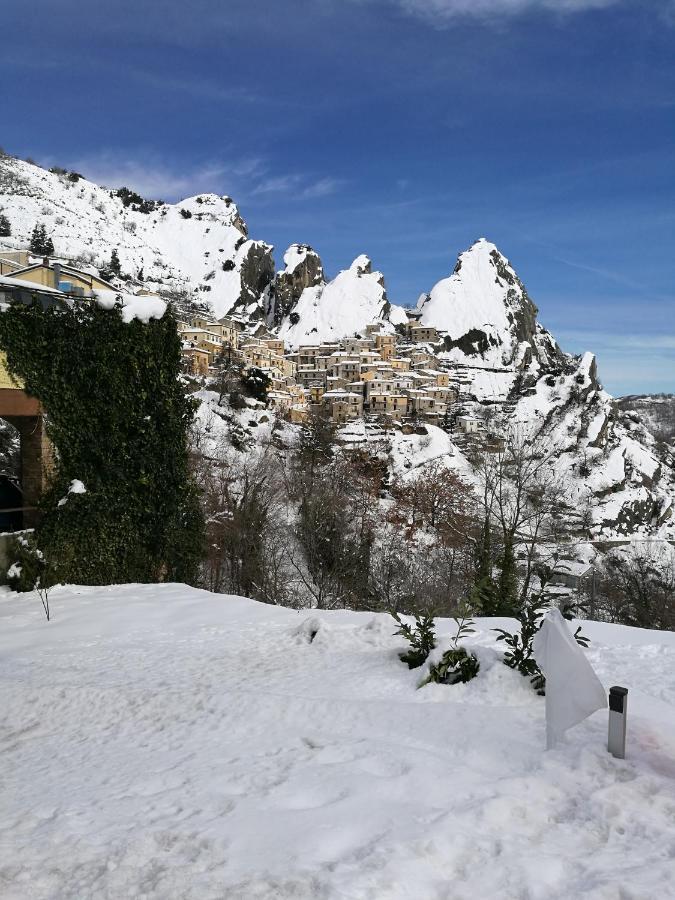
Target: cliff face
x,y
302,269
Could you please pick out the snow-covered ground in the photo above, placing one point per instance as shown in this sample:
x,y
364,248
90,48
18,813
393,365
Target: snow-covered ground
x,y
162,742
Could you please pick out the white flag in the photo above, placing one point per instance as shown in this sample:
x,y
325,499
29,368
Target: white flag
x,y
573,690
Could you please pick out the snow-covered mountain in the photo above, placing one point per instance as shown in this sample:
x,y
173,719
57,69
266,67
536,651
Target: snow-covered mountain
x,y
329,311
198,247
486,313
508,367
657,411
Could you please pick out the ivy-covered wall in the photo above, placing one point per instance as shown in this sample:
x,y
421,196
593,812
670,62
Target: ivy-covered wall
x,y
119,420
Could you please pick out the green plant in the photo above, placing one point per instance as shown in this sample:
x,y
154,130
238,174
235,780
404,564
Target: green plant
x,y
123,434
28,563
40,242
519,655
455,666
256,382
421,638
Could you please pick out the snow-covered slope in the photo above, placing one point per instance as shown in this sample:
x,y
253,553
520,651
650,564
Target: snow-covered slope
x,y
162,742
199,245
356,297
486,311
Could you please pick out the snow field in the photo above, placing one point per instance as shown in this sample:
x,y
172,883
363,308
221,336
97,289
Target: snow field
x,y
163,742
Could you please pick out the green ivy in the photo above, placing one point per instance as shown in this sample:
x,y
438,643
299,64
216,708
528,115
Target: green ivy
x,y
118,419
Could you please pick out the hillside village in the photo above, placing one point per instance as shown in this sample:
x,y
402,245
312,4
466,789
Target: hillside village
x,y
384,374
390,374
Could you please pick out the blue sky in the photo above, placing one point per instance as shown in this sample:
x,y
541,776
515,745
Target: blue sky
x,y
400,128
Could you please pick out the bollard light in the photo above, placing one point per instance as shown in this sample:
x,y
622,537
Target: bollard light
x,y
616,739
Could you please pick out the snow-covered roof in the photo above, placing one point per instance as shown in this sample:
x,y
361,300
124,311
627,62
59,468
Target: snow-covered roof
x,y
6,281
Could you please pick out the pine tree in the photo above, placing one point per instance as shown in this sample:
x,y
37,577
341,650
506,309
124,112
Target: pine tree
x,y
115,267
5,227
37,239
40,243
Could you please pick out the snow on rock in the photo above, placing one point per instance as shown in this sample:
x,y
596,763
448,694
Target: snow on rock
x,y
159,741
197,245
485,310
344,307
294,256
303,269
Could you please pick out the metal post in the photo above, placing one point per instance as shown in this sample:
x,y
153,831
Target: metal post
x,y
616,739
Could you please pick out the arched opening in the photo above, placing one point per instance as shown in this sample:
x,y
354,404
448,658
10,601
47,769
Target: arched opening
x,y
27,460
11,492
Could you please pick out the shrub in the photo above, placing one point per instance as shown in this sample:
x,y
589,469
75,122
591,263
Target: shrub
x,y
135,201
519,655
455,666
421,638
186,214
255,383
236,400
27,563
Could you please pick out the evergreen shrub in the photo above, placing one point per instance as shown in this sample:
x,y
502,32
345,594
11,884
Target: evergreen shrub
x,y
118,419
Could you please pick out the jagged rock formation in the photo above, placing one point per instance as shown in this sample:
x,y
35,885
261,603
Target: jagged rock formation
x,y
486,312
656,411
355,298
302,269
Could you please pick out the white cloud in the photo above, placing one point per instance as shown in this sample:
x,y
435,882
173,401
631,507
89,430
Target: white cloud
x,y
323,187
153,177
297,184
440,11
278,184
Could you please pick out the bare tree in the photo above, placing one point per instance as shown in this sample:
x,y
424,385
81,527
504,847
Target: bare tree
x,y
637,586
524,503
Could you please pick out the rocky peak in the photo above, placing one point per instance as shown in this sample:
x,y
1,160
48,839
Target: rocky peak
x,y
362,265
486,311
302,269
343,307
